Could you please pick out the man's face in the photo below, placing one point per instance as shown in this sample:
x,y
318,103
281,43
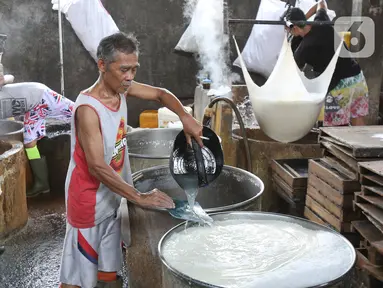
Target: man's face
x,y
120,73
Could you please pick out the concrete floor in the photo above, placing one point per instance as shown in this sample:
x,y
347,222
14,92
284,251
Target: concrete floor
x,y
33,255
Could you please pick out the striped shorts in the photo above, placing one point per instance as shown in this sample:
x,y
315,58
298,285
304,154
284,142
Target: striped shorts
x,y
87,251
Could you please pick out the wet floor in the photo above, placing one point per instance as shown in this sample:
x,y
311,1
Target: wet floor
x,y
32,257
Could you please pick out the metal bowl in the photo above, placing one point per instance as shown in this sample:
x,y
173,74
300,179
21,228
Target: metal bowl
x,y
172,278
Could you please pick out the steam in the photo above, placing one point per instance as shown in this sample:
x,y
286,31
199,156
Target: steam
x,y
206,27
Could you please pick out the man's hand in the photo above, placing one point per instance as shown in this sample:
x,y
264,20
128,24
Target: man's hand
x,y
192,128
155,199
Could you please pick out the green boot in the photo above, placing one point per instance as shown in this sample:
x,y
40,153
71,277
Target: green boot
x,y
114,284
40,177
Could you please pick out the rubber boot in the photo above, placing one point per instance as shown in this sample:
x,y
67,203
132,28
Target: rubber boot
x,y
40,177
2,250
114,284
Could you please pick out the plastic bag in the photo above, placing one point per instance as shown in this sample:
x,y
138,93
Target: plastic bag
x,y
260,53
90,21
287,106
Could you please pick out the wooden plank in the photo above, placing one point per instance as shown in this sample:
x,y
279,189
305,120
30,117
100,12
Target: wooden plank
x,y
373,240
374,200
370,210
342,214
368,179
284,195
285,170
332,194
367,230
374,222
372,190
294,194
363,263
327,216
334,178
338,153
364,141
310,215
331,161
373,167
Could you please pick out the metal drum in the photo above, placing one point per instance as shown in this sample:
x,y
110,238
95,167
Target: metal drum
x,y
150,147
234,189
11,130
172,278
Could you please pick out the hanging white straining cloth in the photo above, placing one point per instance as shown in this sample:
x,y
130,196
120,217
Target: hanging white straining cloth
x,y
287,106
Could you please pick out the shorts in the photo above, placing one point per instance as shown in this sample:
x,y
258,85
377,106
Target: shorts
x,y
52,105
87,251
348,100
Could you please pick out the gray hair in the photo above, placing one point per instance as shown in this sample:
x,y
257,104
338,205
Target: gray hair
x,y
118,42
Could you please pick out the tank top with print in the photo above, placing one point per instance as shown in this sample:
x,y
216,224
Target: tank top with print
x,y
88,201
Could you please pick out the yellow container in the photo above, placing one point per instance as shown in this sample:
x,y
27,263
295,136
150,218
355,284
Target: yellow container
x,y
346,38
149,119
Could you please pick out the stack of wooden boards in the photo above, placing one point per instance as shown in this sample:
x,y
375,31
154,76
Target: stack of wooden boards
x,y
344,190
370,203
289,180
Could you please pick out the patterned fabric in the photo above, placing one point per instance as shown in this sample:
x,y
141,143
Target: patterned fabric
x,y
349,99
52,105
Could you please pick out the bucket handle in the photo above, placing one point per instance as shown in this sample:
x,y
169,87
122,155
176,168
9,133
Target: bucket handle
x,y
201,172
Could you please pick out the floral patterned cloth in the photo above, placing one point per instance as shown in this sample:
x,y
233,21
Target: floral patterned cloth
x,y
349,99
52,105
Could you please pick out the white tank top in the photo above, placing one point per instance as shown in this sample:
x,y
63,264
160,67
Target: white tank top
x,y
88,201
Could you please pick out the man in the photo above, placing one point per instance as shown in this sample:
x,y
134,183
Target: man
x,y
34,102
347,99
99,172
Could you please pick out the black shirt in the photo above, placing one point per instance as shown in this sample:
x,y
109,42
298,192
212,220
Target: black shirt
x,y
316,48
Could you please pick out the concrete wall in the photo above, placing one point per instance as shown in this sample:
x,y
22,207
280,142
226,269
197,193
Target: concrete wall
x,y
32,49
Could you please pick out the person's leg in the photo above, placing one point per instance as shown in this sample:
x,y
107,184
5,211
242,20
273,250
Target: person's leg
x,y
79,262
34,130
110,255
360,101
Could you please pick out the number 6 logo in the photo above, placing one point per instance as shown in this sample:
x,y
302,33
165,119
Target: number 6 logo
x,y
362,42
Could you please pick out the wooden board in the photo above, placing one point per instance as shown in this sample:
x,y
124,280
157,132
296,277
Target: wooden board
x,y
363,263
372,240
343,200
292,171
329,218
340,166
338,153
286,204
333,177
368,208
310,215
373,167
361,141
372,190
296,195
344,215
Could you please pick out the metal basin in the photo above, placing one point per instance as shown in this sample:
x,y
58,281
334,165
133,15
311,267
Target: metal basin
x,y
11,130
234,189
150,147
172,278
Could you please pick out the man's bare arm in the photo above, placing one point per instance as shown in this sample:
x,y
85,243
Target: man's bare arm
x,y
90,139
316,7
169,100
161,95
